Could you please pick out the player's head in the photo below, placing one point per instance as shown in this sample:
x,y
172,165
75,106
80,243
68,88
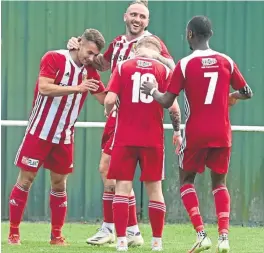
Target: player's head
x,y
137,17
199,30
91,43
148,42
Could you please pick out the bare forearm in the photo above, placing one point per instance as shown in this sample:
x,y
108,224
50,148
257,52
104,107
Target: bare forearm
x,y
175,116
108,107
243,94
168,62
53,90
165,99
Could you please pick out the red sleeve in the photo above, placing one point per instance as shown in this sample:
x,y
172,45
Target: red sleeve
x,y
114,84
93,73
48,65
164,51
177,80
237,80
108,53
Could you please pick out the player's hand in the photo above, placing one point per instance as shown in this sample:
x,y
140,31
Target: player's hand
x,y
231,100
88,85
146,86
73,43
149,53
177,141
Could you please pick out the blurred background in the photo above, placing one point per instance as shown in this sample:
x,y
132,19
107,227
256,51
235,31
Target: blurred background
x,y
29,29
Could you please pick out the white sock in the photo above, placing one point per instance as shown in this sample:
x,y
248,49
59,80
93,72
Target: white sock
x,y
121,239
109,225
157,239
134,229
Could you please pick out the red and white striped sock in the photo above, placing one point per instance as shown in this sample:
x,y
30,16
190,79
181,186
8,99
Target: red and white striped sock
x,y
157,211
58,208
17,202
120,211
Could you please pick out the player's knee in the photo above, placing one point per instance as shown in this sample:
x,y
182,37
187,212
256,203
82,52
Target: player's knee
x,y
109,185
218,179
154,191
26,178
58,183
123,188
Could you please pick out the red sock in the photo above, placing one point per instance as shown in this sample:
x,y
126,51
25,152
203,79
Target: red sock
x,y
107,206
17,202
120,211
132,218
157,212
191,203
58,208
222,207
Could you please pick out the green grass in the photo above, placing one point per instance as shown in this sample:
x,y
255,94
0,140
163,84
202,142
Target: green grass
x,y
177,238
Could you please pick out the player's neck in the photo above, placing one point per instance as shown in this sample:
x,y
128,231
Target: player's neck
x,y
74,56
130,36
201,46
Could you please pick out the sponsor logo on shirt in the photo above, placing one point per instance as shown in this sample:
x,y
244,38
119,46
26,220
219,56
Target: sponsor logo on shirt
x,y
144,64
209,62
30,162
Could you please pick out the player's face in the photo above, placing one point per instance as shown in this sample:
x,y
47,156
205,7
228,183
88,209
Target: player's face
x,y
136,18
87,51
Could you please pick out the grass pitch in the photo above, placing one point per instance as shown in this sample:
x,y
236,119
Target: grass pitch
x,y
177,239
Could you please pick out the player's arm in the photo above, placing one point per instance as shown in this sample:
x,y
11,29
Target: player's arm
x,y
165,56
98,90
114,87
100,63
238,83
47,87
175,116
48,72
166,61
175,86
109,102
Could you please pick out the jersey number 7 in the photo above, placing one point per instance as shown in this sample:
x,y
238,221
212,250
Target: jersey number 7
x,y
211,88
138,79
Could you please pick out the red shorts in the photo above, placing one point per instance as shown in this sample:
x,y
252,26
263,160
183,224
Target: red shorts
x,y
33,152
124,161
216,159
108,135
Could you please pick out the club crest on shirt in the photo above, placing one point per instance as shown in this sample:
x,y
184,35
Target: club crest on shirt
x,y
144,64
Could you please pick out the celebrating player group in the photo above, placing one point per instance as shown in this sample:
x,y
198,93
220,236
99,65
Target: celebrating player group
x,y
143,82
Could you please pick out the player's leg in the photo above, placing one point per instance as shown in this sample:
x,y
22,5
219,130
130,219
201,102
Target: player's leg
x,y
60,164
156,211
29,158
191,162
218,162
58,207
122,168
105,234
152,167
17,203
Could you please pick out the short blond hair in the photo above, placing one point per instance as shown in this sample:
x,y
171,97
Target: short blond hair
x,y
144,2
94,36
149,41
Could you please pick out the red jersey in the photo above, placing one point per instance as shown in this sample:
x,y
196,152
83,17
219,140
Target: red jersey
x,y
139,117
205,76
120,49
53,118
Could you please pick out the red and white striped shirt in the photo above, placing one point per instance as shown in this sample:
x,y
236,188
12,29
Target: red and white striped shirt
x,y
120,49
53,118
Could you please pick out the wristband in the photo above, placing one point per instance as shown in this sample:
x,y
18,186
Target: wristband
x,y
152,91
